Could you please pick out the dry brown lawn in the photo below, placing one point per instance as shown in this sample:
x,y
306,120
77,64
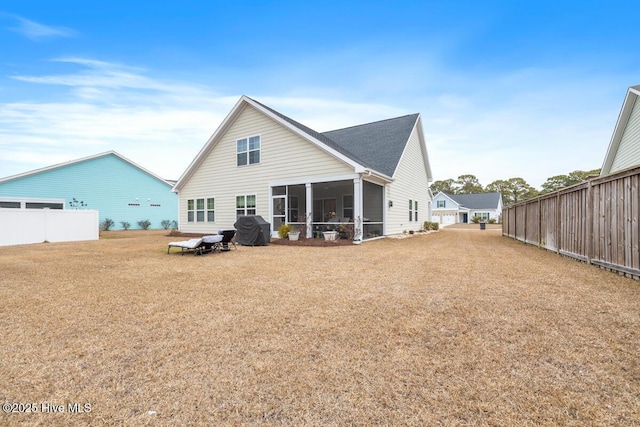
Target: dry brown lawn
x,y
459,327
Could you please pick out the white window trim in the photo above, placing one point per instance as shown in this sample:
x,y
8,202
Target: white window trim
x,y
235,201
195,209
207,210
248,150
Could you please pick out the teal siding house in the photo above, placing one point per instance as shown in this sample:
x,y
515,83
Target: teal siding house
x,y
107,182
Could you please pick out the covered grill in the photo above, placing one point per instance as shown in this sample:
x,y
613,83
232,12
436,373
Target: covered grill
x,y
252,230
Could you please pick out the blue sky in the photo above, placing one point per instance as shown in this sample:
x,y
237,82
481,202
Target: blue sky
x,y
506,89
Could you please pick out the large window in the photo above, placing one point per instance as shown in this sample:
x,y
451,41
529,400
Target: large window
x,y
201,210
248,150
245,205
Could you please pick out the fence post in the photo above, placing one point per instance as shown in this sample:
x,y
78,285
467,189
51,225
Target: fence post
x,y
558,223
589,238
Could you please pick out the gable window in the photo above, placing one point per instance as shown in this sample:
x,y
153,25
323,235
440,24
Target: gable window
x,y
248,150
245,205
190,210
211,214
441,204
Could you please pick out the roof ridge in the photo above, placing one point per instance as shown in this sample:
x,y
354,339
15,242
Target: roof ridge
x,y
372,123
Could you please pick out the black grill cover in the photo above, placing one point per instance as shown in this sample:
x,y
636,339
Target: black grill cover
x,y
252,230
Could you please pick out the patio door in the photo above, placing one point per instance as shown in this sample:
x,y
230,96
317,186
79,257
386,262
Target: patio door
x,y
279,208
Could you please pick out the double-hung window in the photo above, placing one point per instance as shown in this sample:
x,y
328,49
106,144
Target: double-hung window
x,y
248,150
201,210
413,210
441,204
211,213
245,205
190,210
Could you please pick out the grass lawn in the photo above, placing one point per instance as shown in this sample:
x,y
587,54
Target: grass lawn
x,y
458,327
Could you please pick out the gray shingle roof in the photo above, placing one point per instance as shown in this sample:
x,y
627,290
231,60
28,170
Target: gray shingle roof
x,y
378,145
477,201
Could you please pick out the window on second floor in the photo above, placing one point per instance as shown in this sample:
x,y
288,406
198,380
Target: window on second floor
x,y
248,150
441,204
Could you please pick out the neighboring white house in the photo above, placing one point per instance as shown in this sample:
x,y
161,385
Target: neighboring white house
x,y
624,148
462,208
373,177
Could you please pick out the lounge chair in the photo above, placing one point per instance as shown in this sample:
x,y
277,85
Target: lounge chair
x,y
211,243
206,244
227,238
194,245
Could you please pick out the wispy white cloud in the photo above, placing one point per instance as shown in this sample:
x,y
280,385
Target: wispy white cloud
x,y
37,31
532,123
159,124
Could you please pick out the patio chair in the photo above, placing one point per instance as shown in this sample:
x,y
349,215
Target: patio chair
x,y
194,245
227,238
211,243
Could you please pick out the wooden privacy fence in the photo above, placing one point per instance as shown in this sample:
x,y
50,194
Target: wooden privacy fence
x,y
595,222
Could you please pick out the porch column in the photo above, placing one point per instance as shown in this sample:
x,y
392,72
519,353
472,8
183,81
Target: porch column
x,y
309,210
357,210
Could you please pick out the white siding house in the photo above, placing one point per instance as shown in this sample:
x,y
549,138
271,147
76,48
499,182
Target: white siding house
x,y
260,162
462,208
624,148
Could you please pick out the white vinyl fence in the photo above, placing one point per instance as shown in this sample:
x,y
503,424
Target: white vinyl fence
x,y
23,226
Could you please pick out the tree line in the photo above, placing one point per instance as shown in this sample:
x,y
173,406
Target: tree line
x,y
513,189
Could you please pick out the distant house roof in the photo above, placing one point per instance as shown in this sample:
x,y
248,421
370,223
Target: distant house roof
x,y
376,146
477,200
625,115
84,159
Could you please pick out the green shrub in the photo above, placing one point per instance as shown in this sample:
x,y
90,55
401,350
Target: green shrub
x,y
144,224
428,225
125,225
284,230
476,219
492,221
107,223
166,223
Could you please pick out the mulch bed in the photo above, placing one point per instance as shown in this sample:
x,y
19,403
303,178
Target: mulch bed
x,y
276,241
311,242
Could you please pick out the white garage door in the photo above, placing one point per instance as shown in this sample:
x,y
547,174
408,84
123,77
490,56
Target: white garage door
x,y
449,218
